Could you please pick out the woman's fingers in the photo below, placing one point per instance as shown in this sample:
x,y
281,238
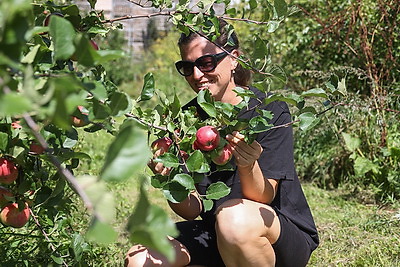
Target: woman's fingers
x,y
245,154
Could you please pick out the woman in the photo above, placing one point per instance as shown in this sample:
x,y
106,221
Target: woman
x,y
265,220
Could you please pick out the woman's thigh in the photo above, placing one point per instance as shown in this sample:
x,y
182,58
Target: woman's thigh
x,y
200,240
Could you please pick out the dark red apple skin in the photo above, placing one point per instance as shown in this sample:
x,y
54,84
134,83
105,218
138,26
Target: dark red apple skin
x,y
35,148
82,120
8,171
3,193
207,138
11,216
223,155
162,144
16,125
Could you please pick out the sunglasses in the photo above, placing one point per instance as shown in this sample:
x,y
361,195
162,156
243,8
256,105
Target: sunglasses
x,y
204,63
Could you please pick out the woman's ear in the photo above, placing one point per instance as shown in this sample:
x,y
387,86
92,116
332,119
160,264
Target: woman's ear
x,y
234,62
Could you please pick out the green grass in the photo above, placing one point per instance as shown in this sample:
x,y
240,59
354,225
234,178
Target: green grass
x,y
353,233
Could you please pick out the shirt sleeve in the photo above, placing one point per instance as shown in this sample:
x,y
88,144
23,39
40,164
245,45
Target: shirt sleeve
x,y
277,159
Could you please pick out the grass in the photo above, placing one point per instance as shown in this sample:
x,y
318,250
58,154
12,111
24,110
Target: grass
x,y
353,233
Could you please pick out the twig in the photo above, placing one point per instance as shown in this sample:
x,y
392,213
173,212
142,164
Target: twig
x,y
130,115
53,248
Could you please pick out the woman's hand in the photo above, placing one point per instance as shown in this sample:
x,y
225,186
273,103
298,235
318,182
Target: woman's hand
x,y
245,154
158,167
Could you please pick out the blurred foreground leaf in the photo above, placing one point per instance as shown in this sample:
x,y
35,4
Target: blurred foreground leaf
x,y
150,225
127,155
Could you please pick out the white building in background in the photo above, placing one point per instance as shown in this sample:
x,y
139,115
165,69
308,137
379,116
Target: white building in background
x,y
135,30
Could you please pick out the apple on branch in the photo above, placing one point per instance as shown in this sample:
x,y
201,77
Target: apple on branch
x,y
81,118
207,138
162,144
16,125
36,148
222,156
8,171
11,215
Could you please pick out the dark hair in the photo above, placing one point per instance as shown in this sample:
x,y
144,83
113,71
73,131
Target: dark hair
x,y
228,40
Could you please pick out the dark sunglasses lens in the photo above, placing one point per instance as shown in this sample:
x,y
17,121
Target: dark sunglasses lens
x,y
184,68
206,63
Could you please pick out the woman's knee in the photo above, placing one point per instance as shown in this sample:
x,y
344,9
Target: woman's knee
x,y
242,220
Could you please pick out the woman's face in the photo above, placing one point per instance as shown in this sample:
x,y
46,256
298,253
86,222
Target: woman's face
x,y
219,81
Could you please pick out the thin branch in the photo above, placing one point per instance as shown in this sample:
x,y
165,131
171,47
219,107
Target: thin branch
x,y
53,248
165,13
130,115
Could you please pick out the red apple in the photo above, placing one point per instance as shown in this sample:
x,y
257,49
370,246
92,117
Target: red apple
x,y
94,45
222,156
163,144
16,125
8,171
82,119
207,138
36,148
10,215
46,21
4,192
183,155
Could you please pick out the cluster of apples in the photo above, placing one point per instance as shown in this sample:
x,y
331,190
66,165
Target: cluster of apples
x,y
11,213
207,139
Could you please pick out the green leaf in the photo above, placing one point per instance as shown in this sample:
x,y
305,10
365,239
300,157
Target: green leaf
x,y
253,4
342,87
92,3
168,160
175,192
308,120
217,190
120,103
150,225
185,180
101,198
352,143
13,103
30,57
148,87
259,124
3,141
208,204
316,92
363,165
85,53
79,246
63,35
196,162
101,233
280,7
175,107
206,103
127,155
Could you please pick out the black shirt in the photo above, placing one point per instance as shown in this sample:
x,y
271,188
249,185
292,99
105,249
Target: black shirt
x,y
276,162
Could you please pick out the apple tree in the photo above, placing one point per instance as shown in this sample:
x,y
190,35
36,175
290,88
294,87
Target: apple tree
x,y
53,87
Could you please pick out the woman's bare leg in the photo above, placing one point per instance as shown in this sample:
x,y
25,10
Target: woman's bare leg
x,y
140,256
246,231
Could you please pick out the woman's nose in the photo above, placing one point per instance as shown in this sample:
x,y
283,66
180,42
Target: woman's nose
x,y
197,73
